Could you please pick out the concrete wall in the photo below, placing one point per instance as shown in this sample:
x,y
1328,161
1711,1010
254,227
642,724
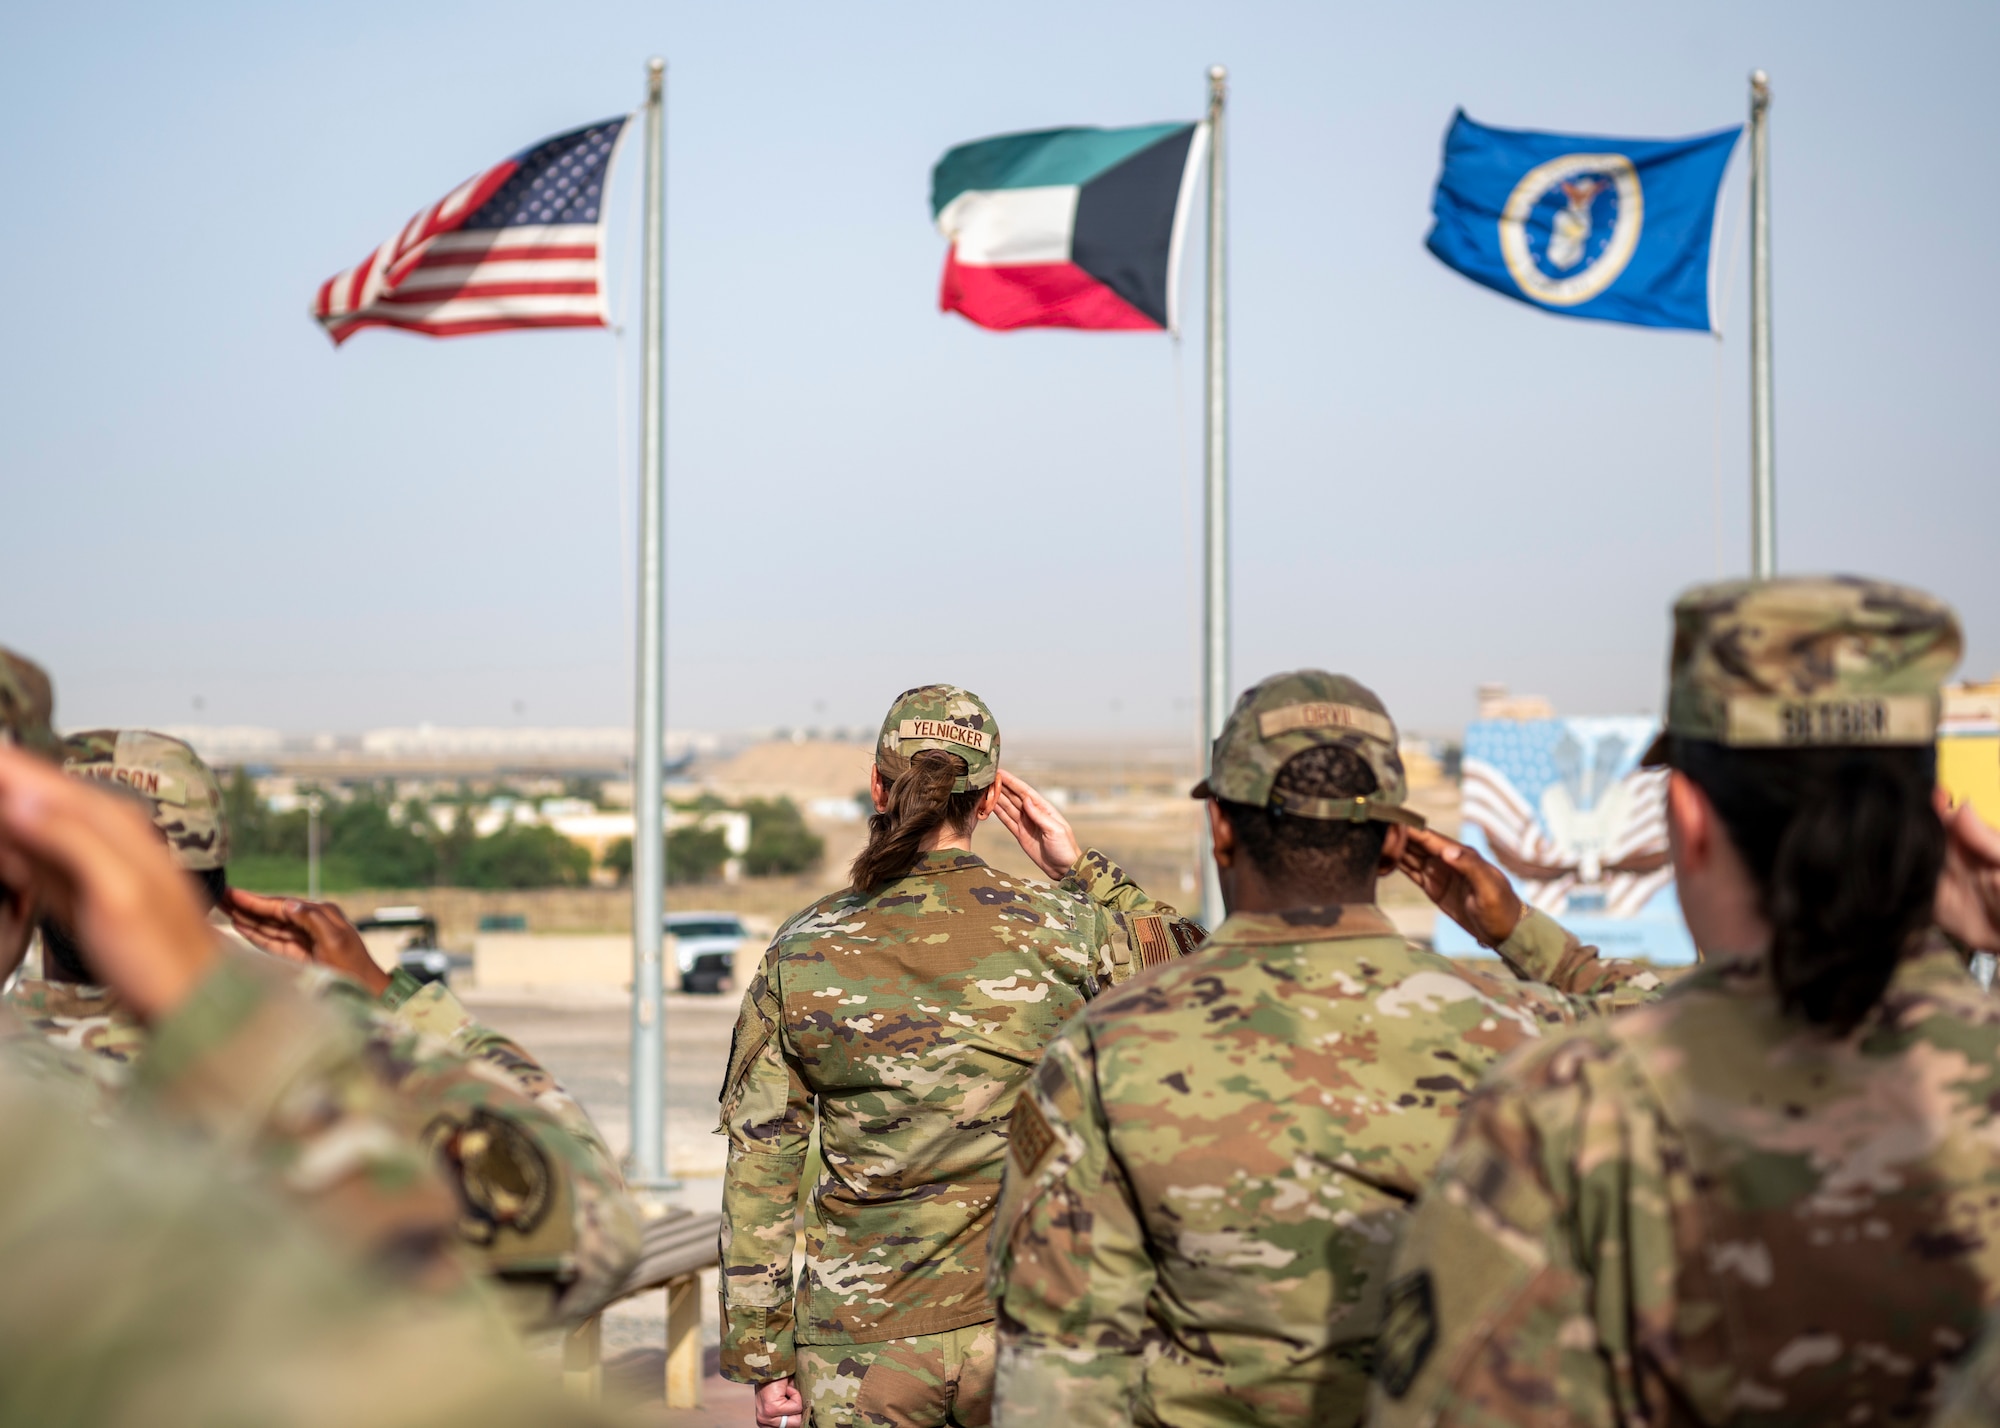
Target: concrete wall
x,y
528,959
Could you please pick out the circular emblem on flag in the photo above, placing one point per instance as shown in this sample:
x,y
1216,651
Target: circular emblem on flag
x,y
1571,225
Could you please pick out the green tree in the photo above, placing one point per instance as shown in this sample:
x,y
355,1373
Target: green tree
x,y
382,852
453,846
695,854
780,842
618,859
523,856
255,831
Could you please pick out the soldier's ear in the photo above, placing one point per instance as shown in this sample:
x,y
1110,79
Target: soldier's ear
x,y
1691,825
878,790
1221,836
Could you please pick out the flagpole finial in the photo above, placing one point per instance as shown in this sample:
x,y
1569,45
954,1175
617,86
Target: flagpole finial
x,y
1217,73
656,79
1760,88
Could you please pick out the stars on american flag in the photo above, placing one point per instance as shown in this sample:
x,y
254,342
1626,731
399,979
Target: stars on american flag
x,y
560,181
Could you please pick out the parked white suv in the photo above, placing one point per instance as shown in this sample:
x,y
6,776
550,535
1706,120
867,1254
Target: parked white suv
x,y
705,946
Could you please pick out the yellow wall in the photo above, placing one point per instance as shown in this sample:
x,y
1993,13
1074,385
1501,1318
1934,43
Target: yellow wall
x,y
1969,767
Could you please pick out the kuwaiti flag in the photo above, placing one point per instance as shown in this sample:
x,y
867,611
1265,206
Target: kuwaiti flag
x,y
1067,227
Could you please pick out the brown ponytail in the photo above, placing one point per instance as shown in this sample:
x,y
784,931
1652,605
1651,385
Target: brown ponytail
x,y
1846,850
919,801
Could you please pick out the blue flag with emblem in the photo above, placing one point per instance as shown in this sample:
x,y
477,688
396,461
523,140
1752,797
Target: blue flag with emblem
x,y
1616,229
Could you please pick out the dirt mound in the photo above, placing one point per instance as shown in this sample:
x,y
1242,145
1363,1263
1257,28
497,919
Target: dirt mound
x,y
801,771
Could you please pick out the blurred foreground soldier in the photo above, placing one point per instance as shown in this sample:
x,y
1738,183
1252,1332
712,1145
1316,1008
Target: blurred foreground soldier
x,y
1773,1196
307,1113
142,1282
541,1200
1211,1164
902,1017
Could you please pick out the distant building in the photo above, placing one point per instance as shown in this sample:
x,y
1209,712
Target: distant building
x,y
1969,746
229,744
1496,703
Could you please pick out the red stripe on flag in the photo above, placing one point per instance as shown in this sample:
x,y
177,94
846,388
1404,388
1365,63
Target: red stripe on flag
x,y
431,297
360,279
341,331
1036,295
466,257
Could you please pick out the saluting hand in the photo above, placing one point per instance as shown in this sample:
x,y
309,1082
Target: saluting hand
x,y
1466,888
1968,896
301,931
1038,826
111,880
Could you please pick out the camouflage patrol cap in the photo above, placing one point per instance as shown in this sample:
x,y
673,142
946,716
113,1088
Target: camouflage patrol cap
x,y
181,791
941,716
27,705
1808,661
1290,713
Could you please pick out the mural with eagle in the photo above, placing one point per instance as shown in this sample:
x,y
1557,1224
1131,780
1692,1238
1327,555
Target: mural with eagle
x,y
1565,811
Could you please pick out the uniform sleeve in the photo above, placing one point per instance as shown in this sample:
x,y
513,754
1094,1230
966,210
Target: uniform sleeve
x,y
1972,1395
540,1206
168,1292
1141,932
431,1009
1105,883
286,1085
767,1113
1514,1298
1069,1274
1540,949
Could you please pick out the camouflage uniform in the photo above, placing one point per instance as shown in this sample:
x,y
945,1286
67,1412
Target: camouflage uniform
x,y
542,1202
27,705
1212,1163
1972,1394
147,1283
1706,1210
903,1023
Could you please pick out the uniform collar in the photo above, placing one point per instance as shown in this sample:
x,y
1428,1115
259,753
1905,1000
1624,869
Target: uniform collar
x,y
945,860
71,999
1933,964
1335,922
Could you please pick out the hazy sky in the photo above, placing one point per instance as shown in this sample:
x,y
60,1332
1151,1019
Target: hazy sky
x,y
1433,486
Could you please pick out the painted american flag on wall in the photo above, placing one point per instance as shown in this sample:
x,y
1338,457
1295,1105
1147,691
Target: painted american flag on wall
x,y
520,245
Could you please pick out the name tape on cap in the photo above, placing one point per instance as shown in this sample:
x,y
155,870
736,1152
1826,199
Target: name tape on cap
x,y
1774,722
161,787
944,731
1273,722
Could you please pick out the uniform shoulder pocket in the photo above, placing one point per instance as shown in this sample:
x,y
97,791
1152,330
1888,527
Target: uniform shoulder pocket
x,y
756,1024
1158,938
1029,1135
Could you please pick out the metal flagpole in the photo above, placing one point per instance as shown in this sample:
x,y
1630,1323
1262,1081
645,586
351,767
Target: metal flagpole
x,y
1763,496
1215,474
649,849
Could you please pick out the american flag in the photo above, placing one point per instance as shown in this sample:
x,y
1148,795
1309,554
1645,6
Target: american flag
x,y
521,245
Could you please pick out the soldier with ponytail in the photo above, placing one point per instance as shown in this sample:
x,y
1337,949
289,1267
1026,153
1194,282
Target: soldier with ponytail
x,y
900,1018
1770,1196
